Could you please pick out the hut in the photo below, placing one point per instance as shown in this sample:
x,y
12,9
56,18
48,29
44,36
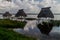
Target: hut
x,y
20,14
44,18
7,15
45,14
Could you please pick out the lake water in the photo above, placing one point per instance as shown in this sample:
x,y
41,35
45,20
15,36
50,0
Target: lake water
x,y
31,30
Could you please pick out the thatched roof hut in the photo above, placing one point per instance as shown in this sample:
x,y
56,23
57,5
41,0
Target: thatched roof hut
x,y
45,12
20,13
7,14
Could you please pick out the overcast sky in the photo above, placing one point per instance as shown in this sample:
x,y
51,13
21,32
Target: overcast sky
x,y
32,6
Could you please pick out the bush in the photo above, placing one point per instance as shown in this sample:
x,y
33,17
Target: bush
x,y
11,24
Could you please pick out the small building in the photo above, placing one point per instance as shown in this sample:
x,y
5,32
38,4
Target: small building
x,y
45,14
7,15
20,14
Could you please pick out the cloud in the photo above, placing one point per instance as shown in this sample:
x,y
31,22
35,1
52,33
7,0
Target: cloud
x,y
51,3
6,6
29,6
32,6
35,6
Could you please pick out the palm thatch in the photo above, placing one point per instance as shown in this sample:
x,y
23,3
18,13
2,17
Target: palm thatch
x,y
45,12
20,13
7,14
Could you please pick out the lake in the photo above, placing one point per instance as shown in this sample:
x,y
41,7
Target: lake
x,y
31,30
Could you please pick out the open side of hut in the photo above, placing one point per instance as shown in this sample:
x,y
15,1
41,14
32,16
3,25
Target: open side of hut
x,y
43,16
7,15
20,14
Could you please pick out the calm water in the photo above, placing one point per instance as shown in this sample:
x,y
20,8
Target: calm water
x,y
31,30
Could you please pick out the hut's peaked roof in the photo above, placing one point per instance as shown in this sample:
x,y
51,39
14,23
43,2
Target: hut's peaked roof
x,y
20,13
45,12
6,14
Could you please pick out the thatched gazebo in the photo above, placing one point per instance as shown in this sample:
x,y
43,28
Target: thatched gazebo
x,y
45,13
20,14
44,18
7,15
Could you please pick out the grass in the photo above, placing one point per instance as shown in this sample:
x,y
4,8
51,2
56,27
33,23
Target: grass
x,y
6,34
11,35
6,23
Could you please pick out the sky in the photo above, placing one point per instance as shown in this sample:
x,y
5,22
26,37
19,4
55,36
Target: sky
x,y
29,6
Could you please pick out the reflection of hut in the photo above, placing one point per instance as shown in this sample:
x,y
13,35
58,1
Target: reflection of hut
x,y
44,16
7,15
21,14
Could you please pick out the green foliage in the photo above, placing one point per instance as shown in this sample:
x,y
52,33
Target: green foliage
x,y
6,23
11,35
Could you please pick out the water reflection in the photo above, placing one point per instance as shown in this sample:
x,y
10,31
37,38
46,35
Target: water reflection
x,y
31,30
56,29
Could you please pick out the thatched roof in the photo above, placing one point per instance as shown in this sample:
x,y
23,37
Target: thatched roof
x,y
20,13
45,12
7,14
